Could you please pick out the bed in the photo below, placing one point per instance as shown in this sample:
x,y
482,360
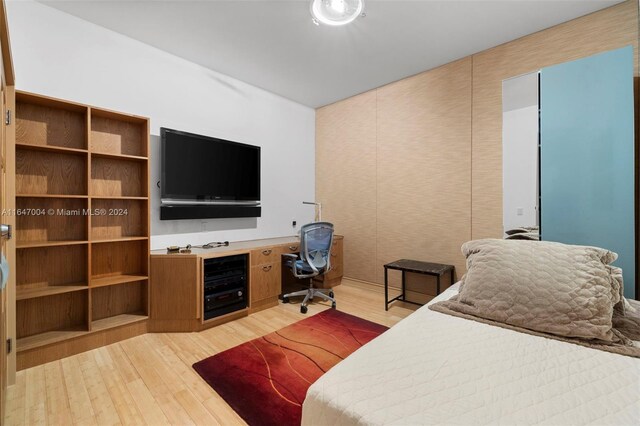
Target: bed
x,y
434,368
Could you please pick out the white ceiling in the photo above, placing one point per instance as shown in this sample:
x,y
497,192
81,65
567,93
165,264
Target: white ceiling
x,y
275,46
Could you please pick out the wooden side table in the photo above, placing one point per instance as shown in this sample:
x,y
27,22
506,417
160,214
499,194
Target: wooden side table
x,y
405,265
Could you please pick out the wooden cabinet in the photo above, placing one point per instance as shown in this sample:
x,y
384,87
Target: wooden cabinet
x,y
176,284
334,276
293,247
289,283
265,255
82,227
264,283
177,281
265,277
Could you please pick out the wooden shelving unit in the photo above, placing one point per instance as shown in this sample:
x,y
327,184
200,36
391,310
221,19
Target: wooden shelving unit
x,y
82,225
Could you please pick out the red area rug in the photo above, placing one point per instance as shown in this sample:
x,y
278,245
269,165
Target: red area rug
x,y
266,380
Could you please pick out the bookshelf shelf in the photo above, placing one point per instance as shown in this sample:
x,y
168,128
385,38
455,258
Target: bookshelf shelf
x,y
31,293
116,279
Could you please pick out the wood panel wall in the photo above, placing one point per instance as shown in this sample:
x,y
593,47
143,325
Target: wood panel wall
x,y
346,171
414,168
424,167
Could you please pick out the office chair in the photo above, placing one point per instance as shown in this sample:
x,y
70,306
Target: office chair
x,y
314,259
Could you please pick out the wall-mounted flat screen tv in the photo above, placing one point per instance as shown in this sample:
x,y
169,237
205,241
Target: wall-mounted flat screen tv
x,y
201,169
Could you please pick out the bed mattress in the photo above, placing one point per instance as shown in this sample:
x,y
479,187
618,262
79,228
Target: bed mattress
x,y
433,368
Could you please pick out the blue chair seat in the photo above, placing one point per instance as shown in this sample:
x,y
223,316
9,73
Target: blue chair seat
x,y
303,266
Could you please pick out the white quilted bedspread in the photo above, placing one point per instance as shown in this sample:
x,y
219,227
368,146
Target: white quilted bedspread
x,y
433,368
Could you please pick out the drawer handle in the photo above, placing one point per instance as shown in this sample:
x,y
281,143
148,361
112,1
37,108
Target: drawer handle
x,y
335,242
266,252
293,248
267,268
334,255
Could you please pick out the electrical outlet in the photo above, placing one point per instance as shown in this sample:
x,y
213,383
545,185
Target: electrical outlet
x,y
294,223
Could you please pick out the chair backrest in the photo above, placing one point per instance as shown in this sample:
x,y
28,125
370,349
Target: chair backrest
x,y
316,239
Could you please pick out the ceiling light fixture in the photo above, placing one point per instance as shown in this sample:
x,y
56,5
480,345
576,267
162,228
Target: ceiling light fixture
x,y
336,12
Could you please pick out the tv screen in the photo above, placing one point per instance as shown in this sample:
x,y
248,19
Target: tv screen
x,y
202,168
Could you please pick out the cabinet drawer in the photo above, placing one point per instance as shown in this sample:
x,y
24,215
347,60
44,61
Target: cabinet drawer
x,y
265,281
265,255
336,270
290,248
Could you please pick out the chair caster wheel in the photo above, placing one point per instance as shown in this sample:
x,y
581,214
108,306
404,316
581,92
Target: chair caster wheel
x,y
331,294
285,300
333,305
303,309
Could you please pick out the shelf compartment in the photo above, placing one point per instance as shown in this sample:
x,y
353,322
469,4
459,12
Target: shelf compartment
x,y
111,259
116,280
41,173
110,301
51,196
51,148
47,338
118,156
117,321
44,267
67,223
39,244
123,218
116,197
24,292
118,134
46,123
117,240
45,320
116,178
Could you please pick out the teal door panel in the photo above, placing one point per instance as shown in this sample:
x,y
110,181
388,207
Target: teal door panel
x,y
587,156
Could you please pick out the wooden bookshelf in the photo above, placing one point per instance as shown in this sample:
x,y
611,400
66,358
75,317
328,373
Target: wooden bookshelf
x,y
82,224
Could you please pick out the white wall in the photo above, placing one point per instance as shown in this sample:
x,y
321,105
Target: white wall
x,y
59,55
520,167
520,151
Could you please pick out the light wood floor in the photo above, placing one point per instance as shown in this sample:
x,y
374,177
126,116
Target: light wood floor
x,y
149,380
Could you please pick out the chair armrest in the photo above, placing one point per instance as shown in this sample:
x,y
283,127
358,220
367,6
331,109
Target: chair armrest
x,y
290,261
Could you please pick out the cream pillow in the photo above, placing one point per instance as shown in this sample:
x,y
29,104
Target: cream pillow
x,y
548,287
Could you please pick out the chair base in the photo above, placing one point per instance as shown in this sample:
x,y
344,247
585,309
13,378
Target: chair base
x,y
309,294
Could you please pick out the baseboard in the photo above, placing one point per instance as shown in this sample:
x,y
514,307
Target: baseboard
x,y
367,285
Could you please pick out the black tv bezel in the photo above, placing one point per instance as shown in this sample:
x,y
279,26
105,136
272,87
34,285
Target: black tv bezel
x,y
208,197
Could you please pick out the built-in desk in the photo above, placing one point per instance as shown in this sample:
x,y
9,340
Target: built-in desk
x,y
177,281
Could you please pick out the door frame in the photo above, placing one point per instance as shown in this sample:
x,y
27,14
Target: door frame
x,y
8,77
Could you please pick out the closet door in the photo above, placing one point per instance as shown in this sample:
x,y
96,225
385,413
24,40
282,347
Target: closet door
x,y
587,178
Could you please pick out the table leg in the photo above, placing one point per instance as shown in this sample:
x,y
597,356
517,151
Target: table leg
x,y
404,296
451,278
386,291
438,285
